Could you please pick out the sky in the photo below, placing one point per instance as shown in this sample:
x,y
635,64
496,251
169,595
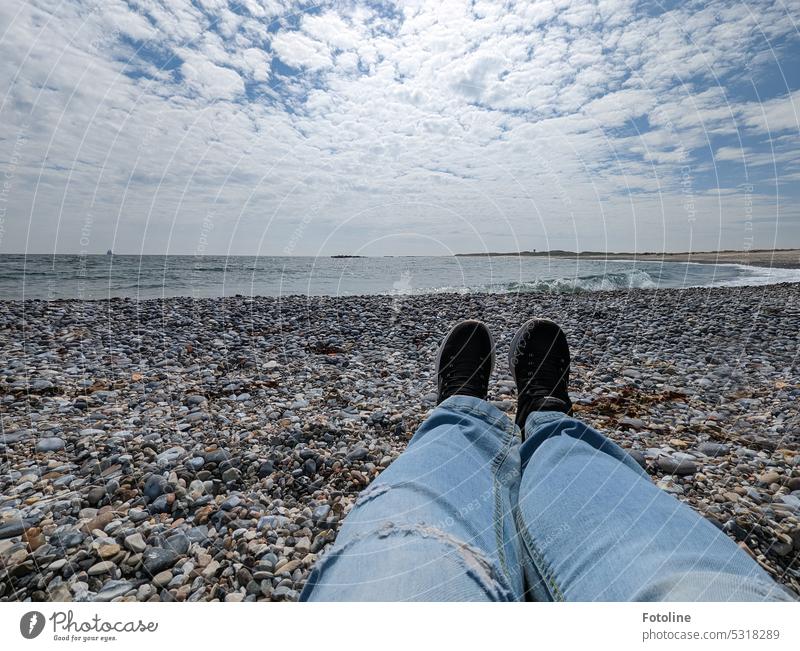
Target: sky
x,y
207,127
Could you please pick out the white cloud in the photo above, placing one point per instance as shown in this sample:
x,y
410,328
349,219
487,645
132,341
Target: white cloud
x,y
774,115
513,118
617,109
211,81
300,51
330,28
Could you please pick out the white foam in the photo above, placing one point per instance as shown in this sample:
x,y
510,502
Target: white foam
x,y
757,276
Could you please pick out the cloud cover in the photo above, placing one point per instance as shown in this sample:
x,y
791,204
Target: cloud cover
x,y
410,127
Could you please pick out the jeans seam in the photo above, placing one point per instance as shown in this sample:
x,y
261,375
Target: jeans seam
x,y
498,499
537,558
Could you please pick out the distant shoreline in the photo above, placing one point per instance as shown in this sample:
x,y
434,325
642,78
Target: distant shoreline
x,y
770,258
778,258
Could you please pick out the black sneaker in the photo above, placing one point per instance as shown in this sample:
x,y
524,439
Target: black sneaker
x,y
465,361
539,362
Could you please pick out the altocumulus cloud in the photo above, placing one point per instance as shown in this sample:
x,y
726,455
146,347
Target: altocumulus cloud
x,y
407,127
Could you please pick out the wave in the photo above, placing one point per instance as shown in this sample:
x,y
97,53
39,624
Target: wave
x,y
633,279
758,276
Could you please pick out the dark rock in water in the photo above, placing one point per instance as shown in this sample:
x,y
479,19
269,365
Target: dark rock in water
x,y
156,559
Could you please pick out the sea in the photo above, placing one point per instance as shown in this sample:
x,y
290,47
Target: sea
x,y
141,277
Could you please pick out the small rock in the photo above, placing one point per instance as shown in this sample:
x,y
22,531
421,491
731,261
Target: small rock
x,y
162,578
113,589
768,478
101,568
108,551
357,454
50,444
711,449
155,559
674,466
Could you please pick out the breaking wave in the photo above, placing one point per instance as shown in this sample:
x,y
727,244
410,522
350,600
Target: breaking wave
x,y
633,279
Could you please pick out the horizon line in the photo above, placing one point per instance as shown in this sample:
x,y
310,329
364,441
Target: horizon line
x,y
525,253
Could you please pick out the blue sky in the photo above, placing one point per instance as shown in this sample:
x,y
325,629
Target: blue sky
x,y
213,127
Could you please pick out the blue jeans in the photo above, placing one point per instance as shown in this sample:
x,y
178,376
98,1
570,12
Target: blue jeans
x,y
467,513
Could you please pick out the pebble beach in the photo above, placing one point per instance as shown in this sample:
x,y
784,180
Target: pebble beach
x,y
207,449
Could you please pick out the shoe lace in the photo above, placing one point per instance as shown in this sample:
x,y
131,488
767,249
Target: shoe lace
x,y
548,373
457,375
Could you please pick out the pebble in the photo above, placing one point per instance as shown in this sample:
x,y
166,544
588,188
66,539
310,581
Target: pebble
x,y
713,449
50,444
675,466
218,460
162,578
768,478
633,423
155,559
101,568
108,550
113,589
135,543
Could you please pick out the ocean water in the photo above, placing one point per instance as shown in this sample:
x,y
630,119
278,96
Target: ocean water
x,y
144,277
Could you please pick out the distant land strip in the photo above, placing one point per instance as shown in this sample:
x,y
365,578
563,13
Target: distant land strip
x,y
781,258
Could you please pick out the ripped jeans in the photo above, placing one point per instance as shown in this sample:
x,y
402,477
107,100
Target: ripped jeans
x,y
467,513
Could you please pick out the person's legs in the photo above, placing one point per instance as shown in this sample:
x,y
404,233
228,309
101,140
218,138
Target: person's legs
x,y
596,528
436,525
592,523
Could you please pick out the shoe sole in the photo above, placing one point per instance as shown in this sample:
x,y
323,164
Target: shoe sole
x,y
473,322
527,326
